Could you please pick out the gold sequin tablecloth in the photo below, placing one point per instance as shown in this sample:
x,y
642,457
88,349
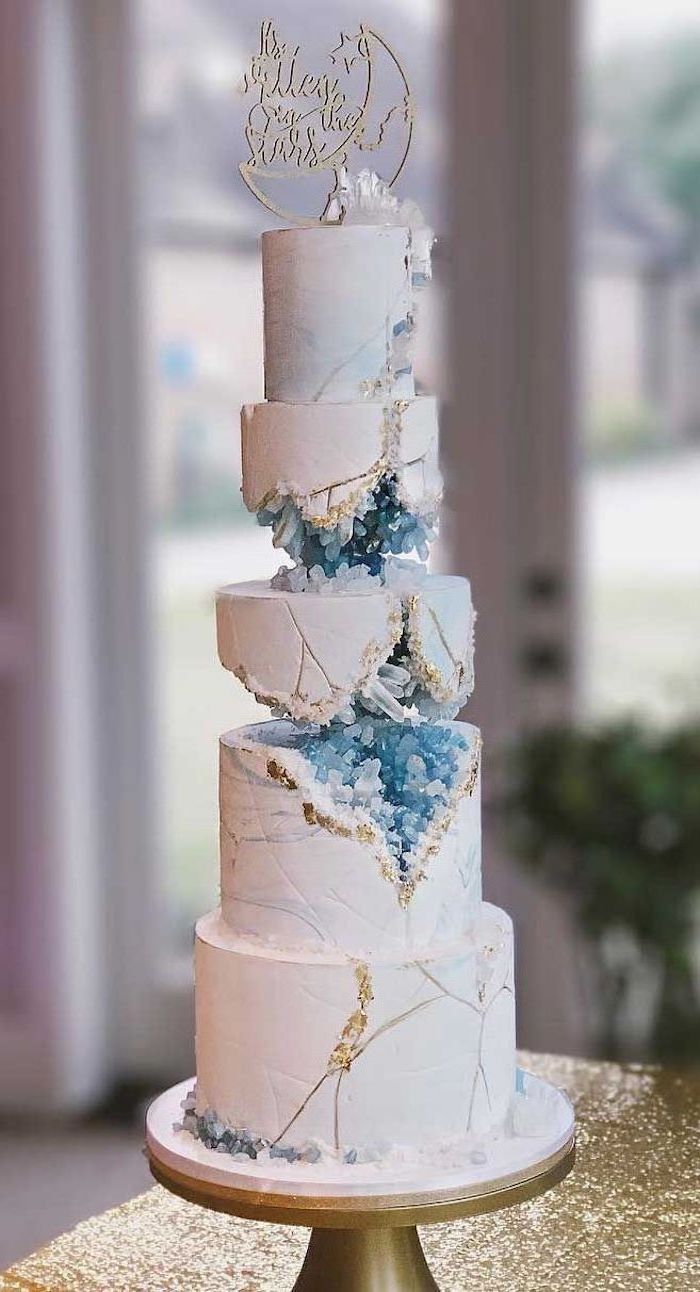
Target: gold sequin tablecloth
x,y
628,1217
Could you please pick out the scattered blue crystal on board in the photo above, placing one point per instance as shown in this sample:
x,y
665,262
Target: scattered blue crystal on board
x,y
215,1134
384,529
242,1144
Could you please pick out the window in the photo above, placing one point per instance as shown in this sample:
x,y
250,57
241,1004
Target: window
x,y
640,333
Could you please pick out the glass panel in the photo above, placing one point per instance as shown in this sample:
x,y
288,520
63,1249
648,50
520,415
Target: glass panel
x,y
204,359
640,349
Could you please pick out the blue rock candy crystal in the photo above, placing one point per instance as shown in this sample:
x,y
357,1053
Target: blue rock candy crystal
x,y
399,772
384,529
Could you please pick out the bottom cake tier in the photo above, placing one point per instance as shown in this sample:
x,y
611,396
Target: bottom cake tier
x,y
325,1056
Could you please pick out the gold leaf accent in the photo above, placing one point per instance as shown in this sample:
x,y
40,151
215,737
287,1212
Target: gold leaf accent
x,y
279,773
346,1049
312,816
363,832
406,891
365,993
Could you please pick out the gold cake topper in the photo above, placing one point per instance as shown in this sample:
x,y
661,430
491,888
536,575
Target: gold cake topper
x,y
306,123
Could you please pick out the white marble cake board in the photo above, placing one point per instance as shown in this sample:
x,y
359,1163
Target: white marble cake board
x,y
510,1159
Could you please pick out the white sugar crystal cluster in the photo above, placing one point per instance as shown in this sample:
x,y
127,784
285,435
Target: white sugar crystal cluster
x,y
366,199
399,575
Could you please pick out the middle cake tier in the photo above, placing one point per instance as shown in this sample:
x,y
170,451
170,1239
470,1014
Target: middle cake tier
x,y
334,843
315,656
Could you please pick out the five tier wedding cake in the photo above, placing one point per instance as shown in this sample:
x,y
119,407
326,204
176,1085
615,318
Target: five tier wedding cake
x,y
354,994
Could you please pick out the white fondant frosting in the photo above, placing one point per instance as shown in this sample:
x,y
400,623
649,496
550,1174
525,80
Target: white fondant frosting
x,y
357,1055
300,870
338,314
365,198
305,654
326,459
308,655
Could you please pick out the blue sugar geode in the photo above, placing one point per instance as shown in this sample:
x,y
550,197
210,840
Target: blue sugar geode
x,y
400,773
385,528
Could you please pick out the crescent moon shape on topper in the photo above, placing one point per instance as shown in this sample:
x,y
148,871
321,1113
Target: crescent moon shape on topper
x,y
278,131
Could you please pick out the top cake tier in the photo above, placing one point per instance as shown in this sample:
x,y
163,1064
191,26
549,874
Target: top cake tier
x,y
339,313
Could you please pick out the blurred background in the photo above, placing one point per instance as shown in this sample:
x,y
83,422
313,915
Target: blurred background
x,y
557,154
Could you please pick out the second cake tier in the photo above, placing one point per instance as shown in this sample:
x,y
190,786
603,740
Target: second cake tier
x,y
332,843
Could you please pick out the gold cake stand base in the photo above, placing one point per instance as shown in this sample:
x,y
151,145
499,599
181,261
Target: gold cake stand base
x,y
360,1242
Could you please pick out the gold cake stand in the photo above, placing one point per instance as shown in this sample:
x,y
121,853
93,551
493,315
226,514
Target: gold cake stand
x,y
360,1241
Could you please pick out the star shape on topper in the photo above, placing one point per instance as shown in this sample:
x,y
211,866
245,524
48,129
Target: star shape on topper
x,y
352,49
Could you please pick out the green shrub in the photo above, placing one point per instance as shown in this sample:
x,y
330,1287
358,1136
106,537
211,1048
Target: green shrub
x,y
612,816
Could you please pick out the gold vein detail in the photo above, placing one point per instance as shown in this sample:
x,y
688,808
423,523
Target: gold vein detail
x,y
442,690
350,506
299,707
348,1050
335,512
389,462
373,654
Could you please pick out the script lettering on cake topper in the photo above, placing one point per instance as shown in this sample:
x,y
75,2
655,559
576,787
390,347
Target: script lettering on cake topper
x,y
304,123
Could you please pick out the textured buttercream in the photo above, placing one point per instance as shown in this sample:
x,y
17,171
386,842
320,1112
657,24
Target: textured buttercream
x,y
432,1060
